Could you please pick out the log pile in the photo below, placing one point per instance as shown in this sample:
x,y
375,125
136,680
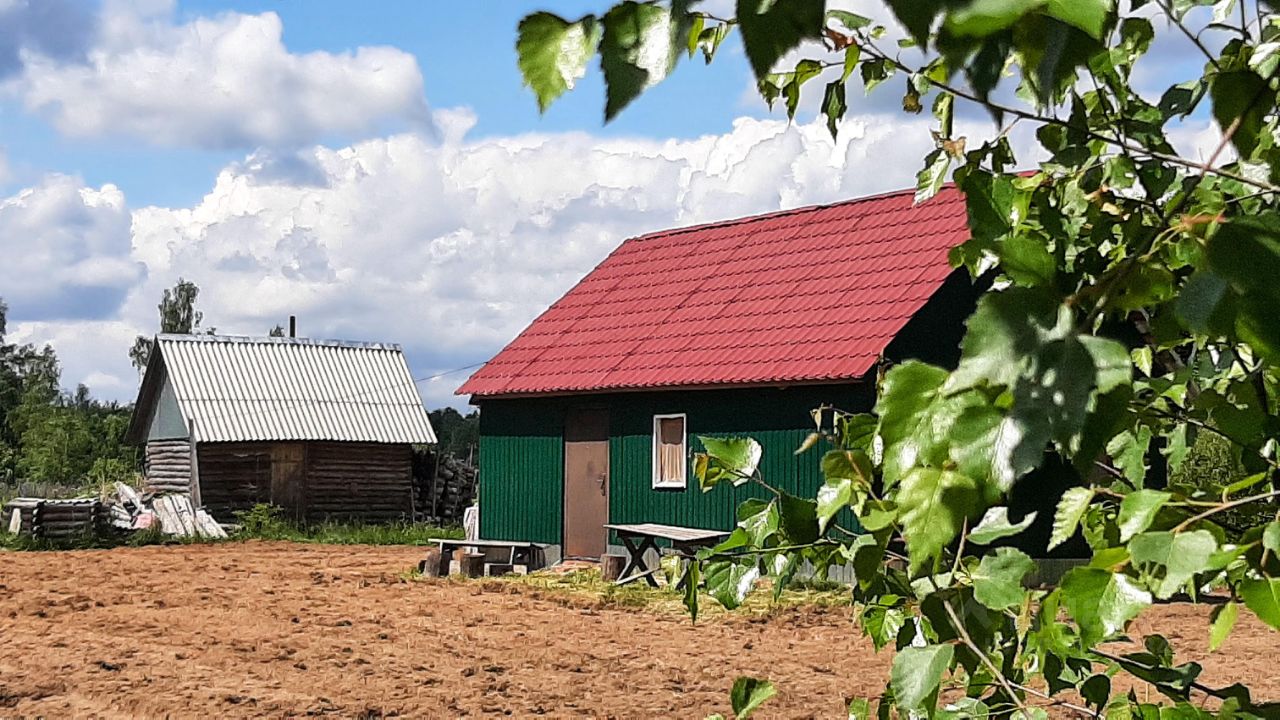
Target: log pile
x,y
168,468
444,487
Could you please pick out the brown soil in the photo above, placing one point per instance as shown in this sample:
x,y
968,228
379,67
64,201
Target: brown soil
x,y
285,630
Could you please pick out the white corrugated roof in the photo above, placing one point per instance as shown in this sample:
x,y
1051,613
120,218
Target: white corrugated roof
x,y
253,388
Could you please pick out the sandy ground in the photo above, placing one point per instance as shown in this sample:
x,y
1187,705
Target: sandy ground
x,y
284,630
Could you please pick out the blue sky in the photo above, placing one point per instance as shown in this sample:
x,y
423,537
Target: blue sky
x,y
376,169
466,56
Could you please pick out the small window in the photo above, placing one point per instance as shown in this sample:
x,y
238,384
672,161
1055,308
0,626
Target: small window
x,y
669,465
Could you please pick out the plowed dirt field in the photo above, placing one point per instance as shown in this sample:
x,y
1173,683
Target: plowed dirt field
x,y
290,630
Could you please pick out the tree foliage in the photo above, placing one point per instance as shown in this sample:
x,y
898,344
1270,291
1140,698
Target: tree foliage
x,y
52,436
178,315
1133,310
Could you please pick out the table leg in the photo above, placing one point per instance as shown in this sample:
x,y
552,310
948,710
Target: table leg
x,y
635,559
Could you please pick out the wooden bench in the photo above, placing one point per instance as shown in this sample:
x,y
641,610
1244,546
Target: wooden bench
x,y
519,553
640,538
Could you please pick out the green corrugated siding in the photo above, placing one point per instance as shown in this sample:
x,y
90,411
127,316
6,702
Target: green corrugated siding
x,y
521,472
778,419
522,455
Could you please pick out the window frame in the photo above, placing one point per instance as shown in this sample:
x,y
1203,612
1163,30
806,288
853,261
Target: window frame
x,y
656,482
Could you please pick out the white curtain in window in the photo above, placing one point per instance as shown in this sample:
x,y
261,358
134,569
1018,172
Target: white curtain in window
x,y
671,450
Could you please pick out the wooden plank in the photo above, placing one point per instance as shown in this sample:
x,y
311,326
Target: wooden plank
x,y
170,523
667,532
129,496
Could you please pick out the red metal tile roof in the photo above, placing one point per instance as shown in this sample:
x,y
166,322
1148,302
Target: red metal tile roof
x,y
807,295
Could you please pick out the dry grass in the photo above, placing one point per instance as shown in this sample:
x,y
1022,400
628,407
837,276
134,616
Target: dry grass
x,y
586,588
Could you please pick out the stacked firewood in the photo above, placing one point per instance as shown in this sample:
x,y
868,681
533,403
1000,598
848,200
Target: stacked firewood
x,y
444,486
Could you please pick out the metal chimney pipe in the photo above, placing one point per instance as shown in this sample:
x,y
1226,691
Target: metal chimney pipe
x,y
293,326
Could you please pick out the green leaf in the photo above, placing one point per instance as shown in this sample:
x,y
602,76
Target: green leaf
x,y
1263,598
1244,96
759,520
874,71
852,464
689,584
1066,518
798,519
915,419
997,583
851,21
1089,15
934,504
1222,620
1128,450
851,56
1271,537
1096,690
1181,556
995,525
552,53
859,709
917,16
833,496
638,50
833,105
729,581
1026,260
770,29
1182,99
733,459
1110,360
917,673
1006,328
1138,509
748,694
980,18
930,180
1101,602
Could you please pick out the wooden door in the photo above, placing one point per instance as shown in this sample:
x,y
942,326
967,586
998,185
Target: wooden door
x,y
586,482
288,481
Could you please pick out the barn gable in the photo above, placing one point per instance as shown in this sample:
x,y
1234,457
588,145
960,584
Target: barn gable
x,y
241,389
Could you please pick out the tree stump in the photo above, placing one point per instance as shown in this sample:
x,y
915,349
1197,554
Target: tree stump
x,y
471,565
611,566
431,565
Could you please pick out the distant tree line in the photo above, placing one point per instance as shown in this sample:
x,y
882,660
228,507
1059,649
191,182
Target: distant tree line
x,y
458,434
49,435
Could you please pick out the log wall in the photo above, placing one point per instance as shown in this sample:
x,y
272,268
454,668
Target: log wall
x,y
366,482
168,466
234,476
359,481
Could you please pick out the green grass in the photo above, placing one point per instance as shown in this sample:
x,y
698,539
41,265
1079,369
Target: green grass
x,y
587,587
263,522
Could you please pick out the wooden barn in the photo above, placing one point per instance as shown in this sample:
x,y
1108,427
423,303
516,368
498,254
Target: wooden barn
x,y
324,429
590,416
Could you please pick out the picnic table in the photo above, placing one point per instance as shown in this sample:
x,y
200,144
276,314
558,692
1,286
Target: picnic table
x,y
643,537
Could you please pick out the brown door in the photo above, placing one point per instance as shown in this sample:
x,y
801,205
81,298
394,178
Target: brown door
x,y
287,479
586,482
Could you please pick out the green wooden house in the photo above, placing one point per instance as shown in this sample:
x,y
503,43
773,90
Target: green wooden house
x,y
590,416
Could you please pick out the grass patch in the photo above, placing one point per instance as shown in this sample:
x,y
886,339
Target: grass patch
x,y
263,522
587,587
266,522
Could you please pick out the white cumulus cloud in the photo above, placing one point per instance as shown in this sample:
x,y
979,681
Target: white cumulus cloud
x,y
450,248
216,82
66,250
